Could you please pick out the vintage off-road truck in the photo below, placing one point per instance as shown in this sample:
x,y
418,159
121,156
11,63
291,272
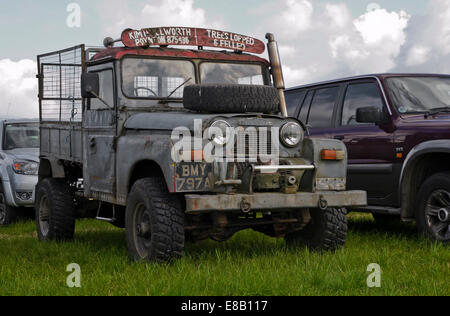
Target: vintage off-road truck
x,y
178,144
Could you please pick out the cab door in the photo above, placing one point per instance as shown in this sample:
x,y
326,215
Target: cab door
x,y
100,131
370,146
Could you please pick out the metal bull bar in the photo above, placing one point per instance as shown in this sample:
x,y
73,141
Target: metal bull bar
x,y
196,204
272,169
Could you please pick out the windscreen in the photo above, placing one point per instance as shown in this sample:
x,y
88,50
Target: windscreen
x,y
156,78
21,136
228,73
419,94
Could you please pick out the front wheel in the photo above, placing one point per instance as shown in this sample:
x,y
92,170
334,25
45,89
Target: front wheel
x,y
327,231
433,213
55,211
154,222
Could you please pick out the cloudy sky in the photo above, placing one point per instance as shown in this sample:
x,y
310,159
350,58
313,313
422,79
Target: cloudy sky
x,y
319,39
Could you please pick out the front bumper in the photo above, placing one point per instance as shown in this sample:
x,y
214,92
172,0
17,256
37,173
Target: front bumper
x,y
273,201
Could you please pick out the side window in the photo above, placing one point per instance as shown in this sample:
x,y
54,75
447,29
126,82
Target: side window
x,y
293,100
322,107
359,96
106,91
304,111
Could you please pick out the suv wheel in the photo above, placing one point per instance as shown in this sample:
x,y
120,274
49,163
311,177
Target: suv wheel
x,y
433,213
154,222
327,231
55,211
8,214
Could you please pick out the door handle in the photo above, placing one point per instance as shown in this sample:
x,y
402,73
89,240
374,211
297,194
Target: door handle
x,y
339,137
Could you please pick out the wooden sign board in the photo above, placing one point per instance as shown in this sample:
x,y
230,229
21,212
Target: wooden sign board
x,y
186,36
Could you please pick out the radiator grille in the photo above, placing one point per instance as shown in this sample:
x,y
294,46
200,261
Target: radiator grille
x,y
252,145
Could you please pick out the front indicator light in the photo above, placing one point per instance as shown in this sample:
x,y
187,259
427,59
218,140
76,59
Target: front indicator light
x,y
333,154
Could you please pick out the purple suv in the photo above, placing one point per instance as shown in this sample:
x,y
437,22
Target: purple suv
x,y
397,131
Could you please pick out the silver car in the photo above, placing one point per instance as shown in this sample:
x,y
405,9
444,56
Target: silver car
x,y
19,164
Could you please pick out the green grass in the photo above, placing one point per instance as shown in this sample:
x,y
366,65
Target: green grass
x,y
249,264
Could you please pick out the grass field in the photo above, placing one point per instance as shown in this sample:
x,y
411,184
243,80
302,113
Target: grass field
x,y
249,264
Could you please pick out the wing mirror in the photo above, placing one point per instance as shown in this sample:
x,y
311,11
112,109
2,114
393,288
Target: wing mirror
x,y
371,114
90,85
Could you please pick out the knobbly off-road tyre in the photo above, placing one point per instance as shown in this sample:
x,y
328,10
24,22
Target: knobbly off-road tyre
x,y
327,231
154,223
55,210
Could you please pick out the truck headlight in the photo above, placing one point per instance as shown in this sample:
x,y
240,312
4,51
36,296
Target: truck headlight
x,y
26,167
292,134
222,138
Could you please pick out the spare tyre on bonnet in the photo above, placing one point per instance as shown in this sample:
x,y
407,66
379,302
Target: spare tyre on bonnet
x,y
180,145
232,98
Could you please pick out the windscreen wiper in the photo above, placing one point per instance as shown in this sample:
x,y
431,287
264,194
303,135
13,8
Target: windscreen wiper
x,y
432,112
166,100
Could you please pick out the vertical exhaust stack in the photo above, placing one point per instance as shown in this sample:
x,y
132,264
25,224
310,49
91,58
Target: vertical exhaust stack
x,y
277,71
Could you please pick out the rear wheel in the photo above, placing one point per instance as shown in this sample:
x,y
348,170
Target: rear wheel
x,y
433,213
327,231
8,214
55,212
154,222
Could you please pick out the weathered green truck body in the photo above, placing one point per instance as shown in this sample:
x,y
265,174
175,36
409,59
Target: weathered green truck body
x,y
111,122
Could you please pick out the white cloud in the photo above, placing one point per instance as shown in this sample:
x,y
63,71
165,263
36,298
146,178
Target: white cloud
x,y
338,14
298,15
317,41
155,13
18,89
418,55
330,42
427,47
378,25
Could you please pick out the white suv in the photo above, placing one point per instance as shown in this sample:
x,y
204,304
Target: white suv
x,y
19,166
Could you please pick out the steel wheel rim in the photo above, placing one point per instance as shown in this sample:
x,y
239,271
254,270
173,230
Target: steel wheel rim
x,y
44,216
2,209
438,202
142,230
